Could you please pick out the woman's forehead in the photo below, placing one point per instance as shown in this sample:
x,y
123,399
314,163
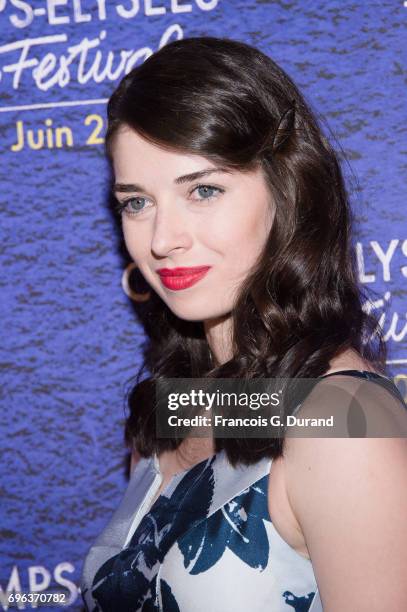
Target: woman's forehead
x,y
129,144
136,159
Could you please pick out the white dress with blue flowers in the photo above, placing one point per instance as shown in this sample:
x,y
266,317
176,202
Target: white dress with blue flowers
x,y
207,544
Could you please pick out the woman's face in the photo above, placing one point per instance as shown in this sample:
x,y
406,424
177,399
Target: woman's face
x,y
183,211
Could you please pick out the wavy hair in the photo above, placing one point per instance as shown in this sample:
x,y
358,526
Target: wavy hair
x,y
302,305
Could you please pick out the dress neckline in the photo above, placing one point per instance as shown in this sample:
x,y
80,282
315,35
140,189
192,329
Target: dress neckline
x,y
181,473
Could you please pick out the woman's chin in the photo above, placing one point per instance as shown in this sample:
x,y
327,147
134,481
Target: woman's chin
x,y
195,311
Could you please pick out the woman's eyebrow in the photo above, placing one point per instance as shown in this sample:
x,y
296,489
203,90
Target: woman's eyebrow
x,y
185,178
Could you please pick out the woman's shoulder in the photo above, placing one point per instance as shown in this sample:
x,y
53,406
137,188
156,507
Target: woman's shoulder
x,y
350,391
362,401
321,456
348,500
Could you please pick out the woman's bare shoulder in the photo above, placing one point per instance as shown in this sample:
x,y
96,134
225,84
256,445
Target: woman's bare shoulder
x,y
283,470
349,498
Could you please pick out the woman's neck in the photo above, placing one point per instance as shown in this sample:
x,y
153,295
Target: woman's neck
x,y
190,452
218,333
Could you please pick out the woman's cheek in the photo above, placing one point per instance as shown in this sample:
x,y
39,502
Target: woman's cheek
x,y
134,243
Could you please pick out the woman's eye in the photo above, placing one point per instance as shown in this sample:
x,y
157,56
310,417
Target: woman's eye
x,y
137,204
206,192
131,206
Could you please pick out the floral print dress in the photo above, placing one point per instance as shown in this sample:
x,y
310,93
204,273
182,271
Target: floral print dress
x,y
207,544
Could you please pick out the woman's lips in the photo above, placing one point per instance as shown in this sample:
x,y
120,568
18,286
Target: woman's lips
x,y
181,278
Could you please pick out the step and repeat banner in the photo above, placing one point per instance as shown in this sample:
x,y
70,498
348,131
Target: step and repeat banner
x,y
71,340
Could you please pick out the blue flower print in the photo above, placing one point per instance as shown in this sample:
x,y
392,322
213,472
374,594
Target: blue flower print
x,y
129,577
238,525
300,604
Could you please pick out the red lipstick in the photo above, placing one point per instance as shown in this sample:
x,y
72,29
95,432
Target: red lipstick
x,y
181,278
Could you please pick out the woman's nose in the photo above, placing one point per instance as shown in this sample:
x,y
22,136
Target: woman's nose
x,y
170,232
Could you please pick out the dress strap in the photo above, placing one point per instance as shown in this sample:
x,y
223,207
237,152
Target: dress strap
x,y
381,380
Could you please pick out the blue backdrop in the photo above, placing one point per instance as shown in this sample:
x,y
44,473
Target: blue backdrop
x,y
70,338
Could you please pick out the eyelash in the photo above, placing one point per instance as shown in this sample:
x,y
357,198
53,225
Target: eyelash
x,y
120,207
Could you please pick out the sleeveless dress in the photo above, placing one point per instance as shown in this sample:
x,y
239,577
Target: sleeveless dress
x,y
207,544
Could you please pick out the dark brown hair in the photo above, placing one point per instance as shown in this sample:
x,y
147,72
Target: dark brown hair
x,y
302,305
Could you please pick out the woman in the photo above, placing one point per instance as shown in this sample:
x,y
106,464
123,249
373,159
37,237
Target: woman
x,y
234,208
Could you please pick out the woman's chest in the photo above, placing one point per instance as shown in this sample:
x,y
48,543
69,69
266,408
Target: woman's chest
x,y
212,528
240,554
279,508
